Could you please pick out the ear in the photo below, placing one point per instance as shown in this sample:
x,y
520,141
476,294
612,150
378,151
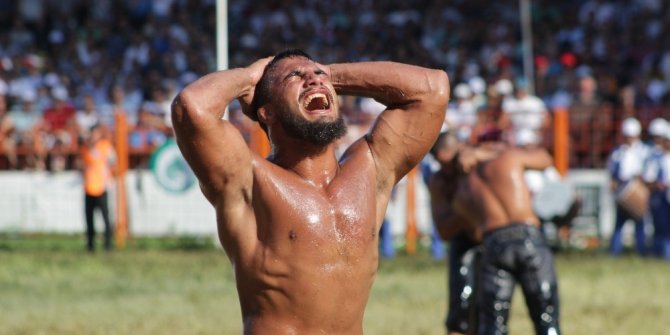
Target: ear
x,y
265,115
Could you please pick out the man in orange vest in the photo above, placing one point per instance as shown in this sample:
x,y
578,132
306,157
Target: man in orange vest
x,y
98,158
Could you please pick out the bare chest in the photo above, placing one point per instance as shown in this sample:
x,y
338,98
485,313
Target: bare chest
x,y
298,216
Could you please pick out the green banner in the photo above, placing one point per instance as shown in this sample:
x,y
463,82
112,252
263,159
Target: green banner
x,y
170,168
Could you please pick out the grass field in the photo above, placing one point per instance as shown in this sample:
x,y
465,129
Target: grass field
x,y
185,286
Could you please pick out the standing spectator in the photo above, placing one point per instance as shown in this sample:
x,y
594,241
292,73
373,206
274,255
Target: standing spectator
x,y
87,117
657,131
584,112
657,177
625,165
98,158
462,114
523,111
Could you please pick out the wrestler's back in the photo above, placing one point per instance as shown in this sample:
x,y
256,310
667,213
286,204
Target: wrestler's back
x,y
495,194
316,257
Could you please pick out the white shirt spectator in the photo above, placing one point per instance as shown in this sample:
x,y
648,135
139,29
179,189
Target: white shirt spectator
x,y
526,113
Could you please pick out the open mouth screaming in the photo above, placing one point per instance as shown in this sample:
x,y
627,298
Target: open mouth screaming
x,y
316,102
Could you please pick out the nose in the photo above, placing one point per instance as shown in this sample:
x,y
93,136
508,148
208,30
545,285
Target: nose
x,y
313,79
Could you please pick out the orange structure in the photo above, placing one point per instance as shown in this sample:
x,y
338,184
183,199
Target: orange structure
x,y
121,145
412,232
561,141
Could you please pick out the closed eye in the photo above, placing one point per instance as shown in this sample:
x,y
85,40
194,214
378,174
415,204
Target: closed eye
x,y
293,74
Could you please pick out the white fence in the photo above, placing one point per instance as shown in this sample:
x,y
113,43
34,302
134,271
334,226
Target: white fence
x,y
53,203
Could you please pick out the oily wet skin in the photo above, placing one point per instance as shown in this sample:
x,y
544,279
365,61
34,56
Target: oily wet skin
x,y
300,227
295,220
494,196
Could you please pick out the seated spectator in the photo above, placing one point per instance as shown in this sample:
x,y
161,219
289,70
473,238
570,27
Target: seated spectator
x,y
27,120
148,133
61,129
7,143
119,102
159,105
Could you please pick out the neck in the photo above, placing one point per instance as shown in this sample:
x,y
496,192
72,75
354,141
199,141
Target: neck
x,y
316,164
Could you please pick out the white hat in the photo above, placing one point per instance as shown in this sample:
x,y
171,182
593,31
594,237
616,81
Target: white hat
x,y
631,127
504,87
462,91
658,127
59,93
28,95
477,84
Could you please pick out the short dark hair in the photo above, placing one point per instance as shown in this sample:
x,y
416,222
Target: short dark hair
x,y
262,90
446,139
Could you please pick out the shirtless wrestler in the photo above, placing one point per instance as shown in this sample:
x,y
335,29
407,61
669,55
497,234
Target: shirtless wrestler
x,y
300,227
463,238
492,195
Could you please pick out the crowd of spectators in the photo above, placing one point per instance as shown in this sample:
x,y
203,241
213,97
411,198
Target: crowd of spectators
x,y
68,64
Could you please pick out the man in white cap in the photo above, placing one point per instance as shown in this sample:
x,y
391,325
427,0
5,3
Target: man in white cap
x,y
625,165
524,111
657,177
462,114
657,130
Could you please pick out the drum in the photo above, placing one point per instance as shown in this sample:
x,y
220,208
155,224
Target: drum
x,y
634,198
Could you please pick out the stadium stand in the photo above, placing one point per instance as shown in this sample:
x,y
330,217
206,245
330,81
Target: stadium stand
x,y
602,60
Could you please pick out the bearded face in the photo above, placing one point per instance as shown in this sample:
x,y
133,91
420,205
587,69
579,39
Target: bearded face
x,y
319,132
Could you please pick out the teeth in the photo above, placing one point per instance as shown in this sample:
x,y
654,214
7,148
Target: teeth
x,y
316,96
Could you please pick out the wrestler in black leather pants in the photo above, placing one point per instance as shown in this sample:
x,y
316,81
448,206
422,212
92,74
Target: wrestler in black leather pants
x,y
517,253
464,254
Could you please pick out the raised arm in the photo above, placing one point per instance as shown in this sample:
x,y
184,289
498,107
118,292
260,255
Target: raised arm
x,y
416,100
213,147
535,159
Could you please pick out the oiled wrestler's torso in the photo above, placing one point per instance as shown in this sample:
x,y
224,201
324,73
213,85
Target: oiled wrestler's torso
x,y
312,267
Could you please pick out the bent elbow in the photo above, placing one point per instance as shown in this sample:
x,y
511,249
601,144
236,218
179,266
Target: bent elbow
x,y
183,108
440,88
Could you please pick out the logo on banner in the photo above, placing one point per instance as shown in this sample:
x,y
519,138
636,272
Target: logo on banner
x,y
170,168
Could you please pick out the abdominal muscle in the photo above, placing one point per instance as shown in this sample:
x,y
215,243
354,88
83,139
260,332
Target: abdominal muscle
x,y
305,293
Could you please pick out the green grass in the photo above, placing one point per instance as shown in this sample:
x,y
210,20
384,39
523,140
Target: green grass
x,y
186,286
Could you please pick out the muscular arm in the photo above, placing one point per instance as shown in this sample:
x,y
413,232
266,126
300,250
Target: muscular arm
x,y
214,148
535,159
416,100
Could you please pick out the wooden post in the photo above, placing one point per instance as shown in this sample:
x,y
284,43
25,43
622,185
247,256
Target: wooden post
x,y
561,140
121,145
412,233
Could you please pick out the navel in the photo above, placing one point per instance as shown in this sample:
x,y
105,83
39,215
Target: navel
x,y
292,235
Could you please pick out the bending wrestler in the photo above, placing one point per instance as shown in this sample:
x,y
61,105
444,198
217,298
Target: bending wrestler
x,y
493,196
300,227
464,239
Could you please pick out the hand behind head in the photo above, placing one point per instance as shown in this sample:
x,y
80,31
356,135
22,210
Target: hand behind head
x,y
256,71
